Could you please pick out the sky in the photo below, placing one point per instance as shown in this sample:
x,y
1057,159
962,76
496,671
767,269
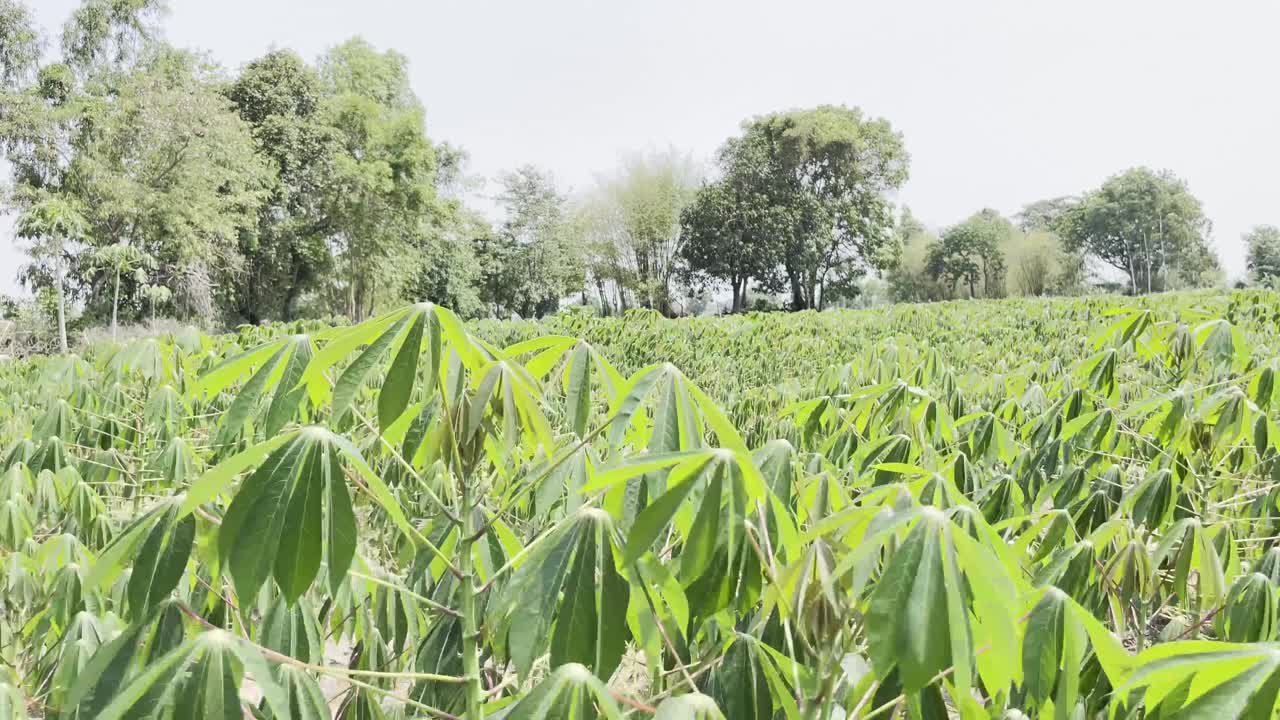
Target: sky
x,y
1000,102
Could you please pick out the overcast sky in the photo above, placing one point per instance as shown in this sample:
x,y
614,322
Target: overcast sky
x,y
1001,103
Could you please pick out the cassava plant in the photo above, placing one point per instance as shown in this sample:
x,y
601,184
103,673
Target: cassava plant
x,y
1061,508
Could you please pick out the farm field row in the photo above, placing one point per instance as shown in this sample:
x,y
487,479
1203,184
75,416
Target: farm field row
x,y
1058,508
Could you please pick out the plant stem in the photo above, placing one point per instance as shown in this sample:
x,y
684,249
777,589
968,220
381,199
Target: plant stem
x,y
470,628
115,307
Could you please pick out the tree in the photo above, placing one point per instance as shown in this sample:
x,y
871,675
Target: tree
x,y
531,261
54,226
19,45
1263,258
1145,224
287,253
104,36
832,173
169,168
383,200
134,135
971,253
1039,266
731,231
119,259
905,262
1043,214
636,232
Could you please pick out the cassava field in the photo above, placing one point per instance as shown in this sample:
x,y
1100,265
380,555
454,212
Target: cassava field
x,y
1043,508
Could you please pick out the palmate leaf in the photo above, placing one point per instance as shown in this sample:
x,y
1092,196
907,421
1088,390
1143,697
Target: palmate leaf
x,y
159,522
292,630
908,618
209,669
513,402
583,363
571,692
572,580
941,592
739,685
82,639
234,419
1203,679
1249,613
290,513
301,695
161,560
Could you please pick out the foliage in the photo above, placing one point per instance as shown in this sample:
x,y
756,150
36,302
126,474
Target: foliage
x,y
832,172
1037,507
971,253
283,188
532,260
631,228
54,226
1145,224
384,174
287,254
1263,257
732,231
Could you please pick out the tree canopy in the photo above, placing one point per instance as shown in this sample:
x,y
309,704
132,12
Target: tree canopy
x,y
1263,258
810,192
291,188
1144,223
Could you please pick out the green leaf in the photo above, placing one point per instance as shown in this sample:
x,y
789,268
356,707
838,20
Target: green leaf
x,y
234,419
577,382
289,390
907,619
276,524
397,386
571,692
161,561
590,624
353,378
217,478
654,518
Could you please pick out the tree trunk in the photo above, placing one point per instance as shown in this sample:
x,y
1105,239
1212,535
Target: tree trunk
x,y
62,308
604,308
797,293
115,307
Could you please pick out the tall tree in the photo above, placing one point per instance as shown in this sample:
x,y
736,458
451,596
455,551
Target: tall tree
x,y
732,230
971,253
1143,223
53,226
531,261
105,36
383,200
905,261
1263,257
133,135
19,45
637,214
287,253
168,167
1043,214
833,172
119,259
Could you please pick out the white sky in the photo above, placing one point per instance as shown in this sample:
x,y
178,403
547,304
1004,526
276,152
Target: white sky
x,y
1001,102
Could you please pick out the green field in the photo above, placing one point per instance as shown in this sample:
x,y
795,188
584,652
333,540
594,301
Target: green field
x,y
1060,508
